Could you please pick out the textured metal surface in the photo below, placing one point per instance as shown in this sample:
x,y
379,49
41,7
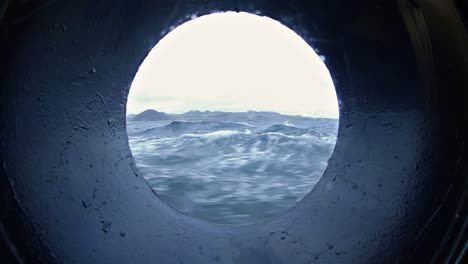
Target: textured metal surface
x,y
393,191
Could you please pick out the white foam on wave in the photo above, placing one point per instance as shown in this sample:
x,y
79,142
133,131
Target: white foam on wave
x,y
233,161
214,134
279,134
288,124
245,124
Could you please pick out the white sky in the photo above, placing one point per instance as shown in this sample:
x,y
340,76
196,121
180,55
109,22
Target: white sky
x,y
233,62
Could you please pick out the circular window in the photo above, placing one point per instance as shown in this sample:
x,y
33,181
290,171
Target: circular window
x,y
232,118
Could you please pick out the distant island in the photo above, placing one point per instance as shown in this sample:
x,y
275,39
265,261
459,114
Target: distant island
x,y
195,115
151,115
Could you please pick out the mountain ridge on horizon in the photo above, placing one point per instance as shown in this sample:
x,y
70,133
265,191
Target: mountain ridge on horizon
x,y
154,115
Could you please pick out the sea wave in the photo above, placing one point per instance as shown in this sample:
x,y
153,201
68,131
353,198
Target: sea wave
x,y
230,172
176,128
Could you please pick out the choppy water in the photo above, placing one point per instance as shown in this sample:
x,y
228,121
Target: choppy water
x,y
232,172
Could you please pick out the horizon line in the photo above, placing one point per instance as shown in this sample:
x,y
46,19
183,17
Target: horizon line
x,y
213,111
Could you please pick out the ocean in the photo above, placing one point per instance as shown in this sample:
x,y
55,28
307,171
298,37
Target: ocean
x,y
232,171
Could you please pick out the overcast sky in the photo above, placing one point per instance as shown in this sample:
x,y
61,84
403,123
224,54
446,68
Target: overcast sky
x,y
233,62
